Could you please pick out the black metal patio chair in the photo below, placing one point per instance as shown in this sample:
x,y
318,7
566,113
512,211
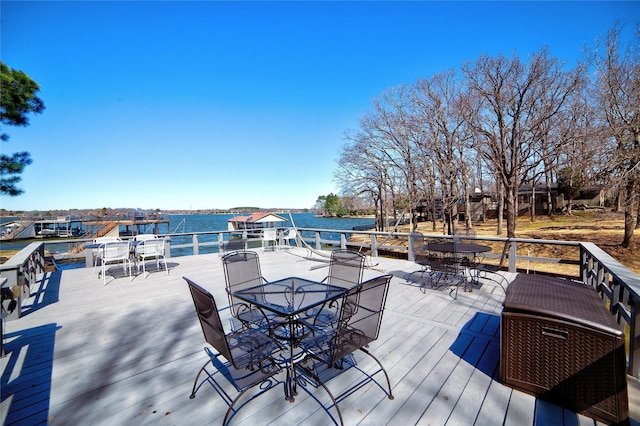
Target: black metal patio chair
x,y
248,354
329,349
242,271
482,270
345,270
233,244
445,271
421,255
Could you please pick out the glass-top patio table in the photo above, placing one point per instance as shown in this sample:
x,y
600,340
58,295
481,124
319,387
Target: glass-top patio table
x,y
292,299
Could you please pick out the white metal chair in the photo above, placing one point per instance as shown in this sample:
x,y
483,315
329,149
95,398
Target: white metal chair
x,y
99,241
269,238
114,252
150,249
287,236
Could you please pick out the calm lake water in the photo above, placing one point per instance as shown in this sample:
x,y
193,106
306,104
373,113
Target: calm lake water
x,y
218,222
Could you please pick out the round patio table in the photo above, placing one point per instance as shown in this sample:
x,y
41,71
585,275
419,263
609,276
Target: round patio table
x,y
454,247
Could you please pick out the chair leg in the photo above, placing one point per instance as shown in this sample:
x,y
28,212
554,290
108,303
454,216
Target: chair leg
x,y
195,382
326,389
389,394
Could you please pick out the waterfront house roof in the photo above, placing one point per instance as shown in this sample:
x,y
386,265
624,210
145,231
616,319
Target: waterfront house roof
x,y
259,217
256,220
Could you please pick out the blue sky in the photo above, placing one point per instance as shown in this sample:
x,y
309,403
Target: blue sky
x,y
198,105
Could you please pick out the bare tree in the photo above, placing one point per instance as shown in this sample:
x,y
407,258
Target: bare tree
x,y
616,94
439,104
362,172
389,128
517,99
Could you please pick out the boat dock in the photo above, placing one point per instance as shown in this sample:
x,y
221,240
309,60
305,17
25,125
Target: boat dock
x,y
85,227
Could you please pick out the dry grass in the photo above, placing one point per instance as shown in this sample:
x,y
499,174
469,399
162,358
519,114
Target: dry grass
x,y
606,229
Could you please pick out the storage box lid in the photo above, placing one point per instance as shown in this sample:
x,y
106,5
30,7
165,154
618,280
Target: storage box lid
x,y
554,297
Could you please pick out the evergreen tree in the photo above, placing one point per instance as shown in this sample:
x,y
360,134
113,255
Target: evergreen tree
x,y
17,99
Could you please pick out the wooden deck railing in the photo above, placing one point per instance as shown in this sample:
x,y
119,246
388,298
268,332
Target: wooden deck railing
x,y
620,289
22,271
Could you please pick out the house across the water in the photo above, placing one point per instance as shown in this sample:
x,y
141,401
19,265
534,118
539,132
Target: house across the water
x,y
255,221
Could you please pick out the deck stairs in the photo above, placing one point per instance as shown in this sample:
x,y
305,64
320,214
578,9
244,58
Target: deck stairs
x,y
24,226
106,230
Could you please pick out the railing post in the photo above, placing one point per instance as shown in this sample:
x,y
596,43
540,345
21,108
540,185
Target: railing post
x,y
194,239
634,340
374,246
411,255
343,240
584,271
220,242
318,243
512,256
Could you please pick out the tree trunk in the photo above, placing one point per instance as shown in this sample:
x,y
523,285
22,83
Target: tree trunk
x,y
512,212
453,218
434,222
467,208
638,211
500,212
549,200
630,212
532,210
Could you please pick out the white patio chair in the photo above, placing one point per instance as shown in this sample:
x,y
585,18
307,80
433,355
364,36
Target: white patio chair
x,y
287,236
269,238
98,241
151,249
114,252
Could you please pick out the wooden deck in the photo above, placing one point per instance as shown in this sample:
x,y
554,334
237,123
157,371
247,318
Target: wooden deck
x,y
127,353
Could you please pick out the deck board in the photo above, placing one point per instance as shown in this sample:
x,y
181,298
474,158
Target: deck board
x,y
127,353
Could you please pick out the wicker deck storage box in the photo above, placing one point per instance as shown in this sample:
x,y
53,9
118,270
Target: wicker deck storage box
x,y
560,343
